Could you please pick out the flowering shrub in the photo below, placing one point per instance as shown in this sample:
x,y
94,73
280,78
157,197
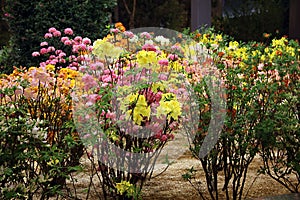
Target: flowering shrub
x,y
27,22
63,51
129,105
259,80
39,147
130,94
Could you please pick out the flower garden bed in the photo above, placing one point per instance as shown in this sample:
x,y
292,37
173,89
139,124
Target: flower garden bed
x,y
95,121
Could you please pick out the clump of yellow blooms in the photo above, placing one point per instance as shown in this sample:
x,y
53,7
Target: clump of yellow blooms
x,y
125,187
104,49
169,106
136,108
147,59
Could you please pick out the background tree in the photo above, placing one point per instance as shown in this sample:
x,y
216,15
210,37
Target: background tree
x,y
172,14
249,19
29,20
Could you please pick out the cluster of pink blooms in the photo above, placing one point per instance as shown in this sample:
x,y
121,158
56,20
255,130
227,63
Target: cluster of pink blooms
x,y
78,47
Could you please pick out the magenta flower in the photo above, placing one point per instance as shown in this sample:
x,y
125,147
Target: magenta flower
x,y
80,58
43,64
82,47
43,51
149,47
68,31
57,52
96,65
72,58
90,48
110,115
75,48
62,54
35,54
164,138
53,62
173,57
61,60
163,77
51,57
7,15
163,62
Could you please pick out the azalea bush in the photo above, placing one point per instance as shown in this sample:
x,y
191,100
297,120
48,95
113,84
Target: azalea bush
x,y
259,80
129,105
40,147
278,130
124,98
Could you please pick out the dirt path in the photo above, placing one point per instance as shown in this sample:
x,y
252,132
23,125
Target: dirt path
x,y
170,184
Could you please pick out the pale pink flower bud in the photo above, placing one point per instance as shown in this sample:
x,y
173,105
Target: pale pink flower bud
x,y
68,31
114,30
78,39
35,54
44,44
57,34
173,57
86,41
146,35
52,30
51,57
68,42
48,35
63,39
62,54
51,49
128,34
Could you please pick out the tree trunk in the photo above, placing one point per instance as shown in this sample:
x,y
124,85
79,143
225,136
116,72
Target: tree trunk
x,y
294,28
200,13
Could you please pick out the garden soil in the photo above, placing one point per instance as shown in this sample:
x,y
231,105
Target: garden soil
x,y
170,184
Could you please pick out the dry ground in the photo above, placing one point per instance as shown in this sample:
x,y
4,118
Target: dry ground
x,y
170,184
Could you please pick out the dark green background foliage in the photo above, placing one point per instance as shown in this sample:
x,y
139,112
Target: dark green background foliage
x,y
172,14
30,20
249,19
242,19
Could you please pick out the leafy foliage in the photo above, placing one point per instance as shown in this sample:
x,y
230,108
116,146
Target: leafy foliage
x,y
28,20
